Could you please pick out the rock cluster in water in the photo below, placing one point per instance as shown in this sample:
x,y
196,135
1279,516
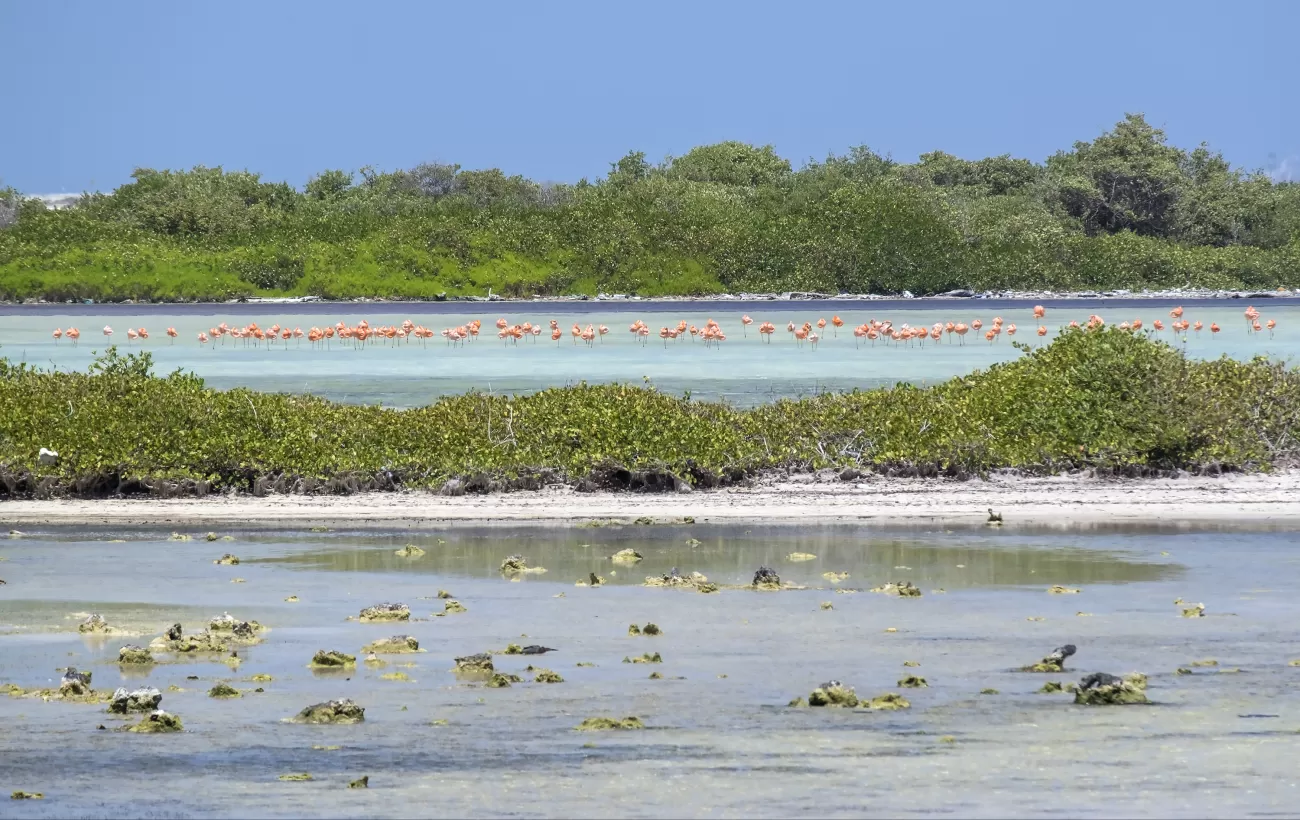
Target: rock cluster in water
x,y
331,711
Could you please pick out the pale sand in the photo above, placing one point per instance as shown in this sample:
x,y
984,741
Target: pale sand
x,y
1037,501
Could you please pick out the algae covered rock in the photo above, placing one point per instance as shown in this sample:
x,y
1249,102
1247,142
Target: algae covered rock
x,y
74,682
888,702
409,551
626,556
648,629
608,724
395,676
1057,589
833,693
442,593
145,699
481,662
176,536
223,690
645,658
453,608
212,536
903,589
296,777
332,659
547,676
827,605
227,560
911,663
226,622
395,645
94,623
634,630
674,578
360,783
21,795
835,577
766,578
1054,662
386,612
1102,689
1052,687
913,682
518,565
134,654
989,691
501,680
157,723
331,711
801,556
1197,611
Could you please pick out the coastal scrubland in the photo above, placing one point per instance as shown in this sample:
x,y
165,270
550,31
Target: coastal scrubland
x,y
1126,210
1106,400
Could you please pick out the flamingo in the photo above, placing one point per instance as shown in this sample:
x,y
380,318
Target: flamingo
x,y
57,334
1042,331
1039,311
171,334
130,335
108,332
74,335
1176,313
1271,324
746,322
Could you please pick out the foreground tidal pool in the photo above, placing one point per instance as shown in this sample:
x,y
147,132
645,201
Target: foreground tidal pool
x,y
720,740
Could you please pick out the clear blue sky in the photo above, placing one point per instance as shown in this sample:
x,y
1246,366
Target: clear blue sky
x,y
558,90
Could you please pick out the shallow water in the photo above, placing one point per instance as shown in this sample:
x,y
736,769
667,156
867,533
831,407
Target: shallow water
x,y
716,746
743,370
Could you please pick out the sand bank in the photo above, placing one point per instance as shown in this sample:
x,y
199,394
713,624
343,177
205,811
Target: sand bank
x,y
1036,501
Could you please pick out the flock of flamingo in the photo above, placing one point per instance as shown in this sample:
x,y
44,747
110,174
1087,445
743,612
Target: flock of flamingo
x,y
711,334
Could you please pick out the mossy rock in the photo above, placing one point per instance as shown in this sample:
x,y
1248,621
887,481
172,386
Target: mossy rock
x,y
801,556
834,695
333,712
409,551
888,702
1197,611
911,664
827,605
94,623
21,795
228,560
547,676
1206,662
482,662
395,676
1052,687
395,645
224,690
296,777
913,682
626,556
453,608
501,680
177,536
634,630
835,577
903,589
989,691
1047,667
157,723
292,599
1057,589
360,783
332,659
608,724
645,658
261,677
656,676
134,655
1122,695
444,594
385,612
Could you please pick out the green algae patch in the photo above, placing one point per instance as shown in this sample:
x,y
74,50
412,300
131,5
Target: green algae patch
x,y
513,649
360,783
656,676
228,560
989,691
385,612
501,680
409,551
157,723
331,659
1197,611
452,607
827,605
608,724
645,658
913,682
261,677
833,694
134,655
801,556
888,702
1206,662
395,676
326,748
296,777
584,663
1052,687
21,795
341,712
626,556
292,599
177,536
395,645
547,676
224,690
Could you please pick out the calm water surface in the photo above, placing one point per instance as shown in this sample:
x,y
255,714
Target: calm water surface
x,y
721,741
742,370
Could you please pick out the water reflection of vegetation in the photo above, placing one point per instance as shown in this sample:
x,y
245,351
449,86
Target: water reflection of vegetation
x,y
730,554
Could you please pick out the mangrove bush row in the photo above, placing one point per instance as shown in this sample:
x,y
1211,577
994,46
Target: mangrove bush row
x,y
1126,210
1110,400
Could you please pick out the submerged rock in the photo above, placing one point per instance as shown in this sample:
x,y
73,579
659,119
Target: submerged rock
x,y
409,551
608,724
645,658
903,589
1197,611
360,783
296,777
1057,589
227,560
202,642
1101,689
801,556
223,690
176,536
1055,662
547,676
1052,687
442,593
481,662
1206,662
396,676
134,654
145,699
21,795
386,612
888,702
502,680
674,578
989,691
94,623
518,565
158,722
626,556
395,645
835,577
332,659
453,608
913,682
766,578
332,711
833,693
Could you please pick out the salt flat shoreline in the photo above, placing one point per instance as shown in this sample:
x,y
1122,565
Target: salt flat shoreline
x,y
1260,499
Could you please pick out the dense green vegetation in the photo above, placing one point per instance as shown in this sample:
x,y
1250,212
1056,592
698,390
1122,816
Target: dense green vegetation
x,y
1126,210
1111,400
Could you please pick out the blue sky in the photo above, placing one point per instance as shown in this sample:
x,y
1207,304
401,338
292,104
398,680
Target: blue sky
x,y
557,91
